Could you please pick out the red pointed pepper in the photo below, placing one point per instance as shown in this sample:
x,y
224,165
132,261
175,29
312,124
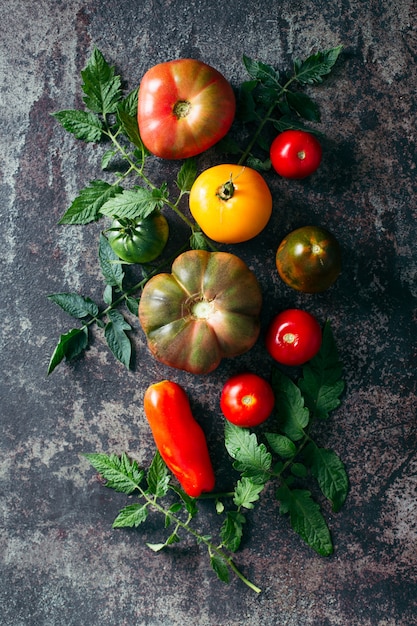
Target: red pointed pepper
x,y
179,437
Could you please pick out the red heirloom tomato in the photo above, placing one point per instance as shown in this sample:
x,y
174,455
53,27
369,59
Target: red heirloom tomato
x,y
247,400
206,309
179,437
295,154
293,337
230,203
309,259
184,108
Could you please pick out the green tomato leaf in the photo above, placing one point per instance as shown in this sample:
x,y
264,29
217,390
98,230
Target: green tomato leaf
x,y
132,305
258,164
156,547
174,538
246,493
316,66
187,175
246,108
127,116
86,207
293,416
160,195
131,516
70,345
158,476
251,458
107,157
83,125
189,502
232,530
281,445
198,241
328,469
306,518
120,473
116,337
130,103
101,86
286,122
108,294
220,566
75,305
299,470
261,72
132,203
304,106
110,265
321,383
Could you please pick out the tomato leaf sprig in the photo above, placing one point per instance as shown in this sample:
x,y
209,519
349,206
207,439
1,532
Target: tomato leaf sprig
x,y
288,456
298,456
113,117
153,488
73,343
271,100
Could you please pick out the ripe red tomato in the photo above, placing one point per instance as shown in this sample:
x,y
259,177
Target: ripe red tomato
x,y
247,400
295,154
309,259
293,337
184,108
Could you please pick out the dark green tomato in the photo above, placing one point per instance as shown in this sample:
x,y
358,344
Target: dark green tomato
x,y
140,240
206,309
309,259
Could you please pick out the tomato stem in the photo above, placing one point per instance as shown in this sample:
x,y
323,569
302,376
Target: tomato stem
x,y
181,108
140,172
185,525
227,190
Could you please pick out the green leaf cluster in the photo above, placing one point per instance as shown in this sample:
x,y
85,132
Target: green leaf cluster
x,y
272,101
153,490
298,457
112,116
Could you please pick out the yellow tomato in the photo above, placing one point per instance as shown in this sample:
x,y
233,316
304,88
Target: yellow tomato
x,y
230,203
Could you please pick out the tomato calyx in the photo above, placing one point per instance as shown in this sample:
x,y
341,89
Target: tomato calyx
x,y
227,190
201,309
182,108
126,226
289,338
248,400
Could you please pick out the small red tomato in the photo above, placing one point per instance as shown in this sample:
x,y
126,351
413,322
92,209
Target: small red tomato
x,y
293,337
247,400
295,154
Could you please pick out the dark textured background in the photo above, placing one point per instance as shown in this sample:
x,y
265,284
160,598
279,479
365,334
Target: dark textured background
x,y
61,562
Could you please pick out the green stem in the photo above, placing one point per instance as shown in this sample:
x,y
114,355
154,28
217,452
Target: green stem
x,y
140,172
200,538
135,287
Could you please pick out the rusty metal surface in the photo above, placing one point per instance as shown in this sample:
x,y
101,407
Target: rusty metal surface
x,y
61,562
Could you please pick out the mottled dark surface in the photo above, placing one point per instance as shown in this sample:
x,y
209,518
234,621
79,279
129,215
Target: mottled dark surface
x,y
61,562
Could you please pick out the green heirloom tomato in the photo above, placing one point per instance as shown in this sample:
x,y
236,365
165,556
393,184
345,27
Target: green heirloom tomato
x,y
140,240
206,309
309,259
